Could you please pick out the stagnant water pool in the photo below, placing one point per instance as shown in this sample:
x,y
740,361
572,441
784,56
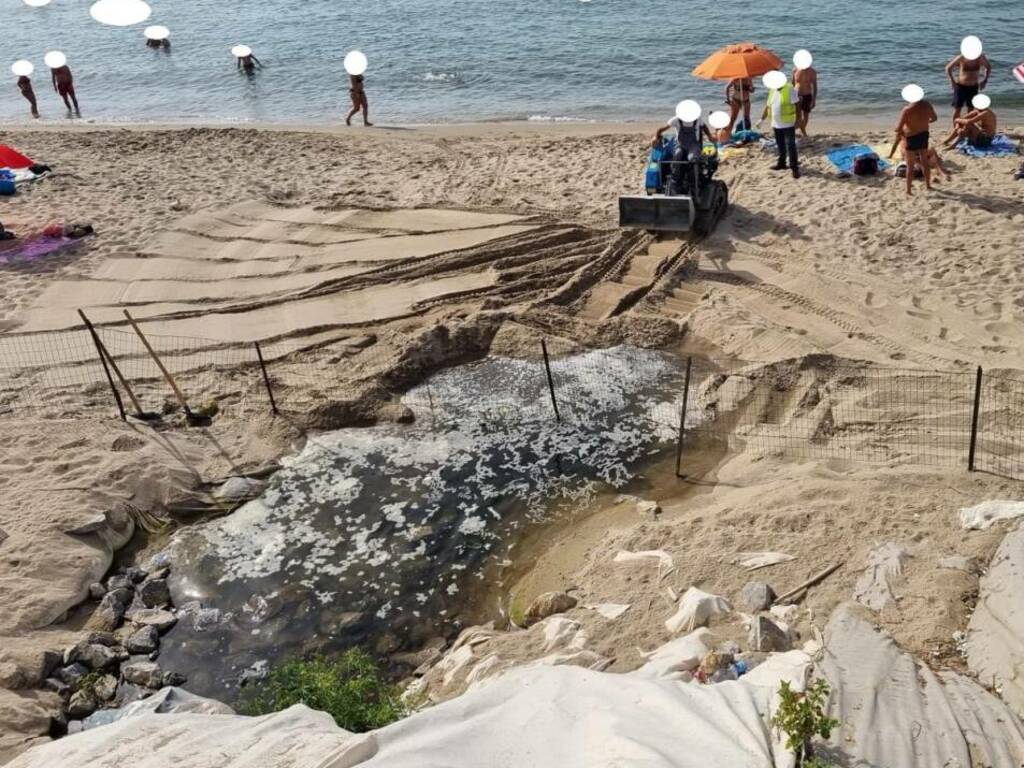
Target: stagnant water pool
x,y
384,535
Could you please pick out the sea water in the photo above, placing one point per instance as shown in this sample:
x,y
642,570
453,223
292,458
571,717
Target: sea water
x,y
467,60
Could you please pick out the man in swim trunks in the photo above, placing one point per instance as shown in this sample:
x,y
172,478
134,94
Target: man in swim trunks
x,y
63,83
912,132
806,83
978,126
689,146
357,93
25,84
966,85
738,94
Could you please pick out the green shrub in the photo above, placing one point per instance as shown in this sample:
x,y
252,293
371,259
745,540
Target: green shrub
x,y
350,688
801,716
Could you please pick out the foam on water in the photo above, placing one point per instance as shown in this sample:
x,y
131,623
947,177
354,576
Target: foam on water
x,y
395,525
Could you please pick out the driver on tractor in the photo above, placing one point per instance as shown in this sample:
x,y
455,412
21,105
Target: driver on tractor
x,y
689,146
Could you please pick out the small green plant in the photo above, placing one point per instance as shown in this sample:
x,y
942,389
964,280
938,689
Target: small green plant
x,y
351,689
88,682
801,716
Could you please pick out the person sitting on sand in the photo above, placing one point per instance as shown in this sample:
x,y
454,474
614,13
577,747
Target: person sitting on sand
x,y
968,81
978,126
912,133
357,92
806,83
25,84
64,84
738,94
249,62
689,146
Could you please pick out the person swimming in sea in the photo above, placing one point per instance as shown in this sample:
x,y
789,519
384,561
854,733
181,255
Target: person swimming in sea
x,y
912,133
64,84
25,84
738,94
978,126
163,44
357,92
968,82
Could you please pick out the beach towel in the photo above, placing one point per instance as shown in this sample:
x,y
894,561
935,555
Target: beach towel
x,y
35,247
1002,146
842,157
1018,71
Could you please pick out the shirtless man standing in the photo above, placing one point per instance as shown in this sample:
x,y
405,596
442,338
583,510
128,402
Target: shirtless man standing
x,y
25,84
968,81
806,83
912,132
63,83
978,126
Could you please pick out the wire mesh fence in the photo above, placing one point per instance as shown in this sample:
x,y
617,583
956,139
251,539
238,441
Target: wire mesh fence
x,y
820,408
814,407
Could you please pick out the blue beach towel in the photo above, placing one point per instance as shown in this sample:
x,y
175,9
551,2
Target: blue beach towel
x,y
1002,146
842,157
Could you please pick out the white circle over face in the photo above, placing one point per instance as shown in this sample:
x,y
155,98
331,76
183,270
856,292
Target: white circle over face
x,y
55,59
355,63
718,120
156,32
688,111
23,68
981,101
970,47
774,80
37,3
241,51
802,59
912,93
120,13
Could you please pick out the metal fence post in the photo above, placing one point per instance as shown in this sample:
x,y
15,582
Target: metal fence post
x,y
551,381
974,421
266,378
682,419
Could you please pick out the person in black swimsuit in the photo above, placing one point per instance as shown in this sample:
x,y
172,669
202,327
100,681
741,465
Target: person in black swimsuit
x,y
968,81
912,131
357,93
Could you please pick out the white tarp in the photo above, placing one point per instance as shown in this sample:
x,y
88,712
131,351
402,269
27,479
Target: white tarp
x,y
995,639
893,711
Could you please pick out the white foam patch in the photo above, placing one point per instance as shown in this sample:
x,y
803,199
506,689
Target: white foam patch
x,y
355,513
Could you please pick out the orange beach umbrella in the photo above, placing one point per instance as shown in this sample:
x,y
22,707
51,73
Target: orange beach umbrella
x,y
739,60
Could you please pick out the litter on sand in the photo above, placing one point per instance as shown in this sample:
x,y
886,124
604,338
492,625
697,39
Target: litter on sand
x,y
982,516
754,560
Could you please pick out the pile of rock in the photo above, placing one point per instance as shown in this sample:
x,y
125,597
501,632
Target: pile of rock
x,y
115,663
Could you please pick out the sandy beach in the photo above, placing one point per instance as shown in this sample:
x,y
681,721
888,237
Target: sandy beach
x,y
399,251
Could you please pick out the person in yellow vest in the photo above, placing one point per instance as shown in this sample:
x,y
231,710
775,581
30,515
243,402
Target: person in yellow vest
x,y
782,103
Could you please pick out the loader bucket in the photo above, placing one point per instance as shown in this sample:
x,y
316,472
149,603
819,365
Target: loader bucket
x,y
657,213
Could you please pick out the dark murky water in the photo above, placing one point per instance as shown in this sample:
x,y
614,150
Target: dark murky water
x,y
385,535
